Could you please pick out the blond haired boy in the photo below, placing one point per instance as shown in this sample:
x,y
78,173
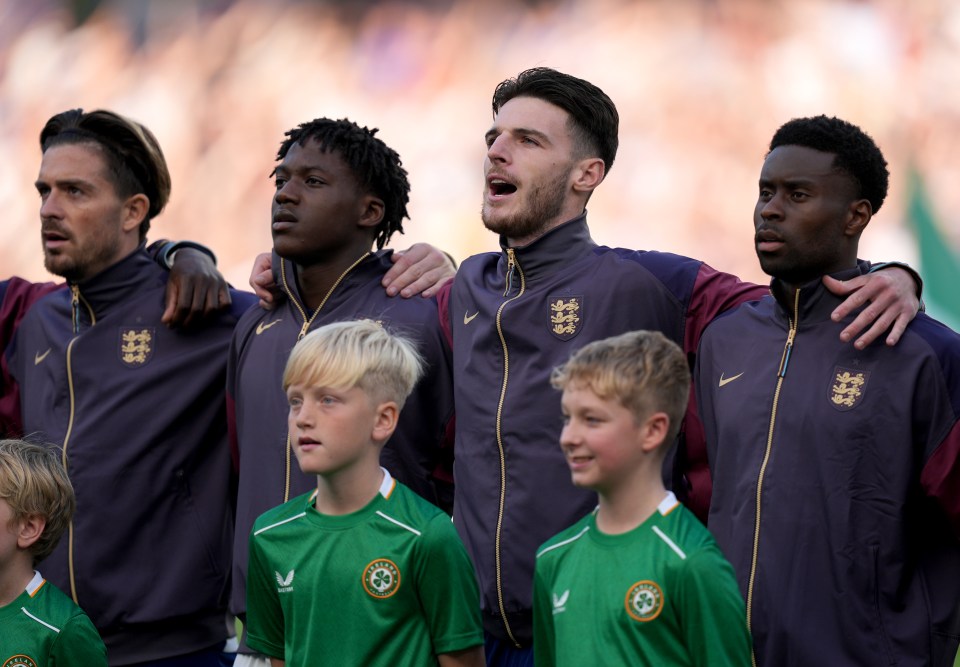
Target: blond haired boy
x,y
639,581
361,571
39,625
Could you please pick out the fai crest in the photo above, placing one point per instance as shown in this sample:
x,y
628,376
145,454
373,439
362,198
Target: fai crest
x,y
847,388
136,346
381,578
566,313
644,601
20,661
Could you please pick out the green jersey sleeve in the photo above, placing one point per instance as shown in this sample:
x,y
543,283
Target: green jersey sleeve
x,y
264,630
713,615
78,643
447,588
544,634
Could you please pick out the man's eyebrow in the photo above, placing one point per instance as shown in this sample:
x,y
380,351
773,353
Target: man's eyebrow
x,y
791,181
63,183
494,132
533,133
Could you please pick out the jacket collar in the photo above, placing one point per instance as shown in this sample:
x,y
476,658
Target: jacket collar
x,y
816,301
551,252
371,267
118,282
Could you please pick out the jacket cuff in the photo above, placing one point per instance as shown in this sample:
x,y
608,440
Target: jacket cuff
x,y
168,249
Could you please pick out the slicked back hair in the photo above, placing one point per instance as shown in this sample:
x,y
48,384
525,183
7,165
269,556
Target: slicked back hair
x,y
376,166
134,160
857,155
594,120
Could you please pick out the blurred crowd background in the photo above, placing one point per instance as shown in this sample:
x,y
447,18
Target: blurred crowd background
x,y
701,85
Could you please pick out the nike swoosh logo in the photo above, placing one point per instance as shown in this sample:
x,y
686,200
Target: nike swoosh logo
x,y
263,327
37,358
467,319
724,381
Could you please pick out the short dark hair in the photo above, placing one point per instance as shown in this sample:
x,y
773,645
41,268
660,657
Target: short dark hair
x,y
134,160
377,167
856,153
593,115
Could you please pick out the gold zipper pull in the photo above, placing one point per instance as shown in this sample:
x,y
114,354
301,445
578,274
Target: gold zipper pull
x,y
75,307
303,329
511,265
788,349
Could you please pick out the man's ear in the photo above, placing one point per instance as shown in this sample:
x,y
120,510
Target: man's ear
x,y
858,217
371,211
653,431
588,174
135,211
29,530
385,421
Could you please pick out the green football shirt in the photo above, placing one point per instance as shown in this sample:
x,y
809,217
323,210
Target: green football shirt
x,y
390,584
45,628
661,594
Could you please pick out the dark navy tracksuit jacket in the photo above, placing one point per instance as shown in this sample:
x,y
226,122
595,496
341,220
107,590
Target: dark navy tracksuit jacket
x,y
514,316
140,413
836,482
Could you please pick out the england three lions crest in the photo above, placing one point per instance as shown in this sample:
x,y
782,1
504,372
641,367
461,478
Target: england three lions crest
x,y
566,316
136,346
847,388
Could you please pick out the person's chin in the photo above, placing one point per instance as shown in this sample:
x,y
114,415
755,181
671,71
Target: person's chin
x,y
59,265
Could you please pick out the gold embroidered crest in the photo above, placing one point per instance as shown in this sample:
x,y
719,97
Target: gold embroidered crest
x,y
847,387
136,346
565,316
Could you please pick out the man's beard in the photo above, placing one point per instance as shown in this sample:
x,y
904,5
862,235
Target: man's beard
x,y
542,204
86,259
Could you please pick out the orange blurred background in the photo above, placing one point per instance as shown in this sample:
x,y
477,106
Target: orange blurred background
x,y
700,86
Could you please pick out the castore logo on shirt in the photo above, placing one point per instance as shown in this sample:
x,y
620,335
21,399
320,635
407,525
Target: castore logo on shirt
x,y
284,584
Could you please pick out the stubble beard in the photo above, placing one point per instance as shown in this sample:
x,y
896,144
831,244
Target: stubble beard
x,y
85,260
542,205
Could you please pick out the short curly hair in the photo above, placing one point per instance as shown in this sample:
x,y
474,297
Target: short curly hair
x,y
34,482
857,155
377,167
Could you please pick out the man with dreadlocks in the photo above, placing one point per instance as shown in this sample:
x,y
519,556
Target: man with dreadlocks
x,y
339,190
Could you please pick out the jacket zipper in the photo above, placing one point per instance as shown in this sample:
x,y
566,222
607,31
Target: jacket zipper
x,y
76,300
513,268
307,321
781,374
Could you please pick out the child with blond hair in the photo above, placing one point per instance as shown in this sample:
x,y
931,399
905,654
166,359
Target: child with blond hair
x,y
360,571
39,625
639,581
